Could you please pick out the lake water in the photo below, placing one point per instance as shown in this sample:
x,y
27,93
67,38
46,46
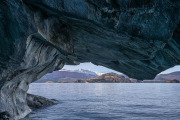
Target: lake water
x,y
106,101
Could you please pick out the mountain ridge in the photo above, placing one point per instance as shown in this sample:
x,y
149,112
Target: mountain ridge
x,y
67,76
83,75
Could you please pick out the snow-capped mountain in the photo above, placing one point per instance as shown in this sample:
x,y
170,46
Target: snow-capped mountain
x,y
88,72
99,73
84,71
68,76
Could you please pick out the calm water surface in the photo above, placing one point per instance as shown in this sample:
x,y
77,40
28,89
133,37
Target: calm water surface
x,y
102,101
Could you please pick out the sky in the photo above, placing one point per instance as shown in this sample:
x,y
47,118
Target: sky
x,y
173,69
89,66
101,69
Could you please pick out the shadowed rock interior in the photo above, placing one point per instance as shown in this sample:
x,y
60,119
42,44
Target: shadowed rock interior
x,y
135,37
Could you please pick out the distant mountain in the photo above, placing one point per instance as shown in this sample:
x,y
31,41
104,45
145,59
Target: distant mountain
x,y
161,78
110,78
170,76
67,76
88,72
82,76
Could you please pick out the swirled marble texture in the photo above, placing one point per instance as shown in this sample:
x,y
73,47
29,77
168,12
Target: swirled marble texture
x,y
135,37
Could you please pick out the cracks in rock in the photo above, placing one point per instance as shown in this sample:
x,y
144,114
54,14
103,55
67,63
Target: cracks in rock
x,y
138,38
55,31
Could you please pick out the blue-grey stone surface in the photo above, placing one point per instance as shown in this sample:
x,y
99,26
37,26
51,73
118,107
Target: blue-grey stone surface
x,y
139,38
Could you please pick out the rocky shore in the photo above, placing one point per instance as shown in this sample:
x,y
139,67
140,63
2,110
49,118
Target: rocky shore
x,y
109,78
35,101
172,81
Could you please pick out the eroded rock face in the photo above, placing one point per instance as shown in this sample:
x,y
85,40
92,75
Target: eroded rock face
x,y
138,38
39,58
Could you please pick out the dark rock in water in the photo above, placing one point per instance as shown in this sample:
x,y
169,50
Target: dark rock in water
x,y
5,116
79,81
137,37
35,101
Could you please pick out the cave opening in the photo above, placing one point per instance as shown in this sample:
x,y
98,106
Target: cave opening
x,y
139,39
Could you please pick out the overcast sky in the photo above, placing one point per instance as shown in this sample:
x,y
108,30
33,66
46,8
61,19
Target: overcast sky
x,y
92,67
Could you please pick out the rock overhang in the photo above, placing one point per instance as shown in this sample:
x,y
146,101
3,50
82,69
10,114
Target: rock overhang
x,y
135,37
131,32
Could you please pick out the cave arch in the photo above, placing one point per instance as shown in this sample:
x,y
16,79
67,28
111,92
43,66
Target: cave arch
x,y
37,37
